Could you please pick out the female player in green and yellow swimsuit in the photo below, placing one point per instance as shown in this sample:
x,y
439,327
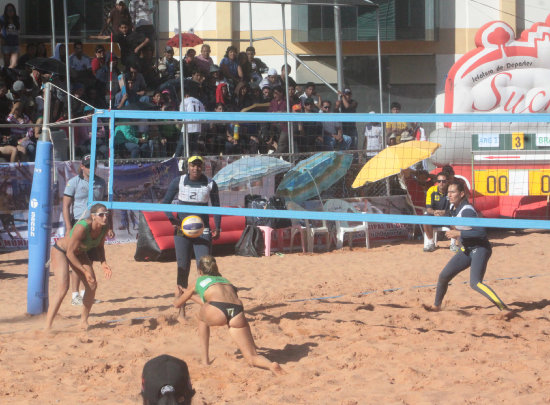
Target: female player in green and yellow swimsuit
x,y
221,306
86,235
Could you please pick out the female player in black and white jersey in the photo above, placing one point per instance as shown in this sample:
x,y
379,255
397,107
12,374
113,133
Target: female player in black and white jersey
x,y
474,253
193,188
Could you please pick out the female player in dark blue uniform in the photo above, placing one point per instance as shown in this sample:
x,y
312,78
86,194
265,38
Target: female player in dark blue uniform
x,y
474,253
193,188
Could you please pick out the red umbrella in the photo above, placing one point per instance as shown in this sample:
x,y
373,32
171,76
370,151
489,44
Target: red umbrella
x,y
188,39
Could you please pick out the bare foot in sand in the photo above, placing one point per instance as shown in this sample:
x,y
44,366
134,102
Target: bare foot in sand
x,y
277,369
431,308
507,315
84,326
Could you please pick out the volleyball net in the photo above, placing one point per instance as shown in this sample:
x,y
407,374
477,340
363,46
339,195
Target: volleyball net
x,y
374,168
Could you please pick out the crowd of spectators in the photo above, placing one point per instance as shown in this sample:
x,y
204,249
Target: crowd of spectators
x,y
241,82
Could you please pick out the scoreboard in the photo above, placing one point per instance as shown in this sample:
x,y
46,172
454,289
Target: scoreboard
x,y
519,164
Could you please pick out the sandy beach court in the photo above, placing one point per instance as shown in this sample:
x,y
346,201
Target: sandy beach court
x,y
371,343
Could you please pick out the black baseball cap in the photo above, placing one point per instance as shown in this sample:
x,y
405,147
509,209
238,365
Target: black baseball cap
x,y
86,160
166,373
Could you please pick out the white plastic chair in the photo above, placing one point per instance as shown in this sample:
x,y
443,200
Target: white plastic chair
x,y
345,227
311,228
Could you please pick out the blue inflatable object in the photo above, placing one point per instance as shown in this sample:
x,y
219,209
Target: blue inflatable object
x,y
39,230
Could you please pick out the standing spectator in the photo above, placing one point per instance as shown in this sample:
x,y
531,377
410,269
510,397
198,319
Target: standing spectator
x,y
373,138
75,201
257,65
244,69
9,29
189,64
229,66
148,68
141,14
291,82
81,66
266,95
194,128
292,97
310,92
117,14
130,42
203,60
347,105
278,104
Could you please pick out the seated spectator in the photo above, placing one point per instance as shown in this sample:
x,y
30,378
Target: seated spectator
x,y
27,56
243,97
127,95
258,67
93,97
147,67
126,140
99,60
79,63
169,66
278,104
59,53
41,51
218,133
203,60
310,92
222,95
341,141
77,107
140,85
271,80
21,137
83,137
437,204
267,95
329,128
312,132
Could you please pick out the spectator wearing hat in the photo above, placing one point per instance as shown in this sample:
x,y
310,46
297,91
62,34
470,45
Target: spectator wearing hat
x,y
345,104
271,80
310,92
165,379
203,60
75,208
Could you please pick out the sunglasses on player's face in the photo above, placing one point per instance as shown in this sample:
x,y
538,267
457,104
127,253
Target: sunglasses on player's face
x,y
102,214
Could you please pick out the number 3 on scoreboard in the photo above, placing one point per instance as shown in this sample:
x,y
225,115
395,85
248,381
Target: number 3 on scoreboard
x,y
518,141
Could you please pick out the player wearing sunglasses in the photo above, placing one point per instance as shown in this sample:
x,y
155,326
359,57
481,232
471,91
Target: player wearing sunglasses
x,y
72,250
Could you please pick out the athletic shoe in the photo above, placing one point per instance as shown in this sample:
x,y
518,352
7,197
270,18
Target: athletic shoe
x,y
454,248
77,301
430,248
